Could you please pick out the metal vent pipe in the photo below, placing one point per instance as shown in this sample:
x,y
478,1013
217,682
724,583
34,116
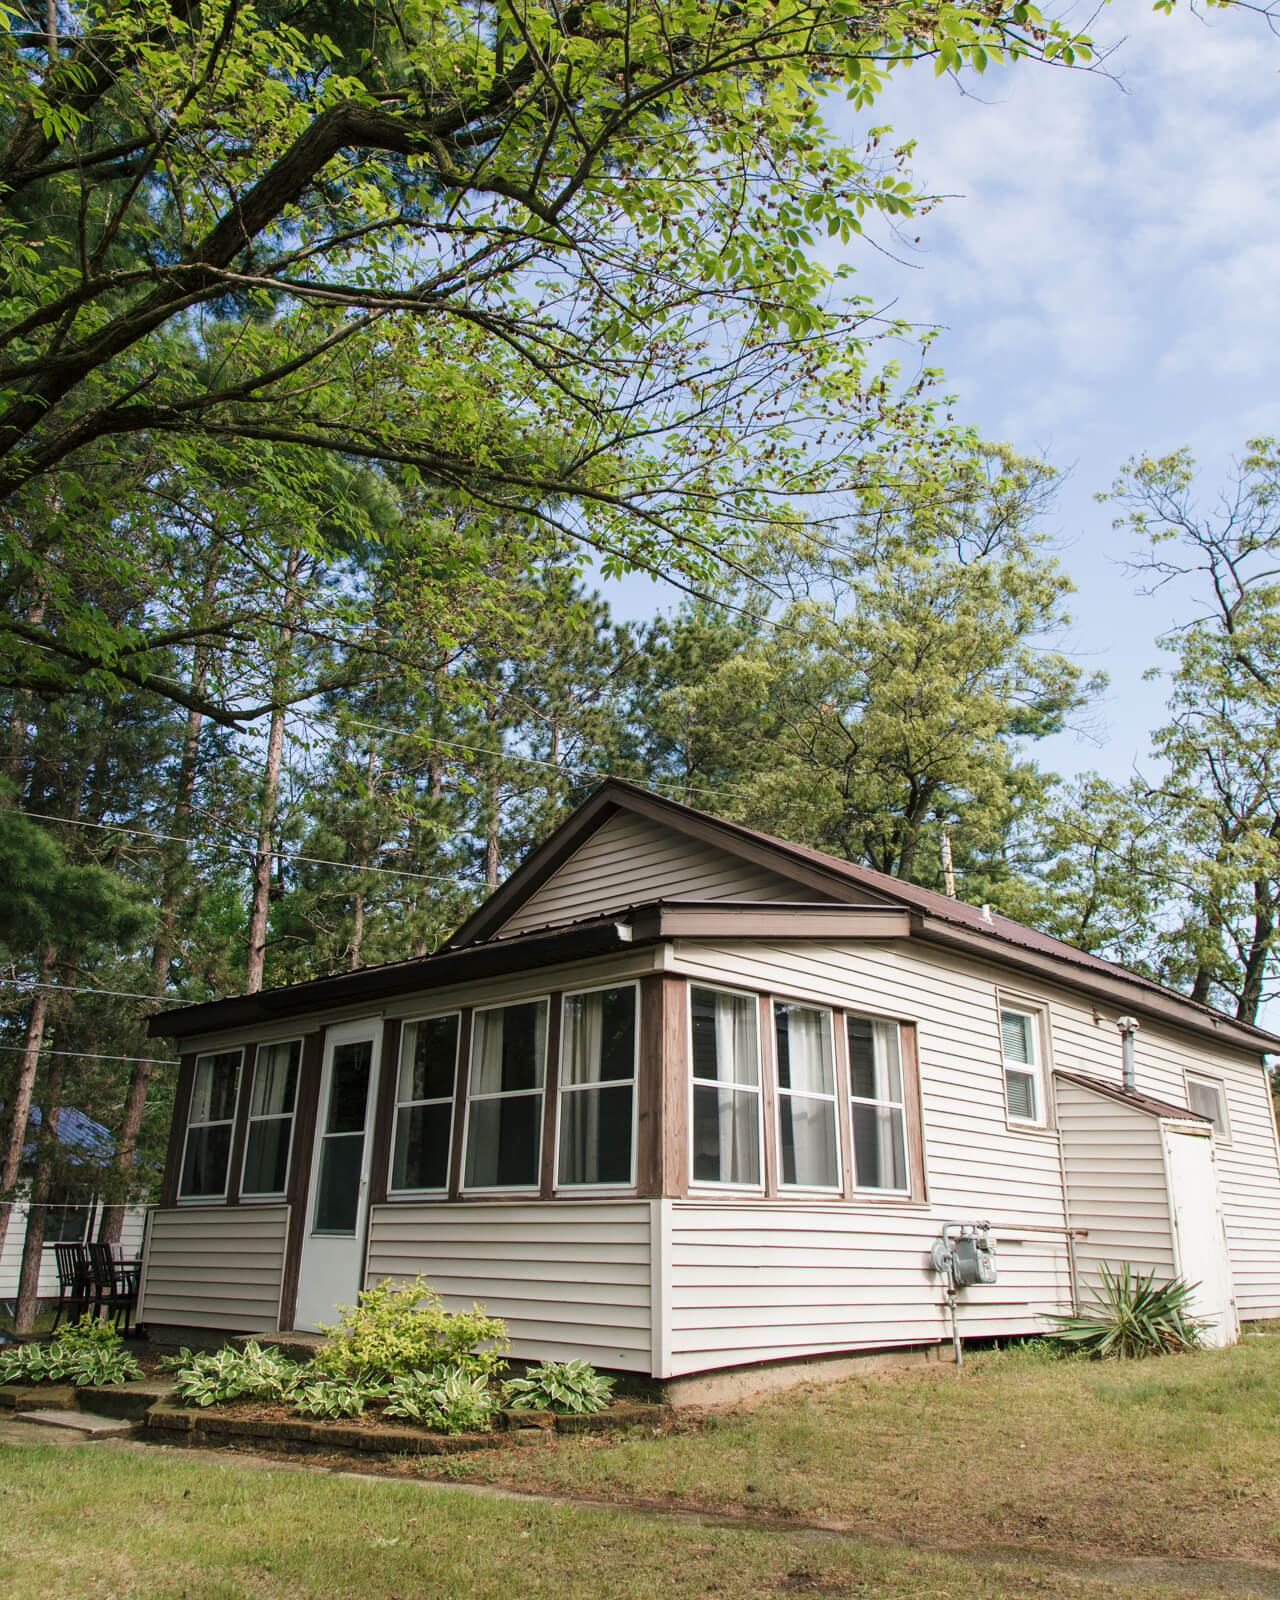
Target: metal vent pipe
x,y
1128,1026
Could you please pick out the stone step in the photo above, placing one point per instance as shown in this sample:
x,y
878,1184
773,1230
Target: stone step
x,y
77,1421
131,1400
37,1396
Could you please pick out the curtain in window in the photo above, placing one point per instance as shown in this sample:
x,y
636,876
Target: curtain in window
x,y
579,1162
879,1118
726,1125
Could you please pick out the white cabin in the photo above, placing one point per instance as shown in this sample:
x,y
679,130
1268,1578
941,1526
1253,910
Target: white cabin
x,y
680,1098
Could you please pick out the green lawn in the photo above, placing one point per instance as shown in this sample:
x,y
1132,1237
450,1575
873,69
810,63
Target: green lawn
x,y
98,1523
1179,1457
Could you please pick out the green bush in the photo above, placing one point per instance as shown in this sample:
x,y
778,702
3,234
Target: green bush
x,y
1132,1316
559,1386
84,1359
90,1332
402,1327
444,1398
215,1377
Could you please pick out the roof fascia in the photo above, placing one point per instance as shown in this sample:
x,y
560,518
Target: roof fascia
x,y
1100,985
768,919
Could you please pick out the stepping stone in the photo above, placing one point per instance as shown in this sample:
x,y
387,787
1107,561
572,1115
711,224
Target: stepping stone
x,y
77,1421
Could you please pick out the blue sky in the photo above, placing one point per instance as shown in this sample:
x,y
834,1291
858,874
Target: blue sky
x,y
1106,275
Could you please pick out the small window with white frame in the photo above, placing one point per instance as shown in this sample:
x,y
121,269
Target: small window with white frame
x,y
425,1087
808,1154
206,1155
265,1173
877,1098
505,1093
598,1043
1208,1096
726,1120
1023,1066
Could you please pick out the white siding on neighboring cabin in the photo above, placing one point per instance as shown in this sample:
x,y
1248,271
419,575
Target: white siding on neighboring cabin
x,y
569,1278
1113,1162
11,1256
629,860
768,1280
215,1267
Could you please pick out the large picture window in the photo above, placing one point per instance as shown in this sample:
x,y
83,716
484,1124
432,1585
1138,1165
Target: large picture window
x,y
504,1106
725,1052
424,1104
807,1149
271,1108
207,1154
597,1087
1023,1079
878,1105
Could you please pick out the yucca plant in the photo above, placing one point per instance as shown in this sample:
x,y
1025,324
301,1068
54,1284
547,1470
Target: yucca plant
x,y
1132,1316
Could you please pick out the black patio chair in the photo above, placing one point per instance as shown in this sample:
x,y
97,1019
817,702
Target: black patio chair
x,y
76,1287
115,1284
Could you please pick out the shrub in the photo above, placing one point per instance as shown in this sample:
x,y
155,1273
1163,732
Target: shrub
x,y
559,1386
1132,1316
402,1328
444,1398
214,1377
83,1362
90,1332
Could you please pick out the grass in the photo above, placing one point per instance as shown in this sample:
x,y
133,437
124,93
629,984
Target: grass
x,y
95,1523
1178,1457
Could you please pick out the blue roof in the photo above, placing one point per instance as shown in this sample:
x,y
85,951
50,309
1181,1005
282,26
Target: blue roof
x,y
82,1137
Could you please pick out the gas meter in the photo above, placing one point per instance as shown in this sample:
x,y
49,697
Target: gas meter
x,y
962,1253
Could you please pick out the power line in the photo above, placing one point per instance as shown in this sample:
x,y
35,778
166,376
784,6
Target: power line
x,y
114,994
88,1055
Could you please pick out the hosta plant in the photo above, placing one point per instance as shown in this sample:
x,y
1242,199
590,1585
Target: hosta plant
x,y
444,1398
214,1377
81,1364
402,1327
1132,1316
559,1386
318,1395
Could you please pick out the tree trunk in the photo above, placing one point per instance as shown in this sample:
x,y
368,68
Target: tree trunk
x,y
24,1316
1260,947
20,1110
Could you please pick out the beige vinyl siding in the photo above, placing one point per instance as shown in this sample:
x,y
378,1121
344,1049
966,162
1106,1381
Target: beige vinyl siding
x,y
630,860
1113,1164
11,1256
764,1281
215,1267
569,1278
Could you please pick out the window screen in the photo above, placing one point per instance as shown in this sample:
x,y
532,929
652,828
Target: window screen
x,y
1207,1097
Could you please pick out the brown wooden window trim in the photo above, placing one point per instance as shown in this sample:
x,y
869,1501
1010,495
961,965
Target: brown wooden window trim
x,y
306,1113
385,1110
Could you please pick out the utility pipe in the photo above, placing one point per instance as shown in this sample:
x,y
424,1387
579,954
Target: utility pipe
x,y
1128,1026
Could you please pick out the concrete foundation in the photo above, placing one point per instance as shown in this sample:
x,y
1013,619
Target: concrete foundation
x,y
728,1384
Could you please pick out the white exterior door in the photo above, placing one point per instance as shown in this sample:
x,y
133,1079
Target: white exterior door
x,y
1199,1236
338,1202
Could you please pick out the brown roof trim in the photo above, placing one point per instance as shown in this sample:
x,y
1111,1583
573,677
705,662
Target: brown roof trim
x,y
1131,1097
606,936
767,919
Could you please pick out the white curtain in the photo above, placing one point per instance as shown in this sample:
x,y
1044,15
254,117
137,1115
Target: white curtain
x,y
737,1062
580,1161
488,1053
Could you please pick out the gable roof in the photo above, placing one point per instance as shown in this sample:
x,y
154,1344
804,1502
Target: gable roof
x,y
934,916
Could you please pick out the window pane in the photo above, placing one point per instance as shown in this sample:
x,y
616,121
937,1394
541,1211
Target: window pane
x,y
204,1170
213,1094
808,1131
266,1156
504,1143
879,1147
600,1035
1016,1037
66,1224
875,1065
349,1087
275,1080
421,1156
428,1058
595,1136
338,1191
804,1049
1021,1090
726,1136
510,1048
724,1037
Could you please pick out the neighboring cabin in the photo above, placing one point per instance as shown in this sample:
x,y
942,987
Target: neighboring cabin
x,y
681,1097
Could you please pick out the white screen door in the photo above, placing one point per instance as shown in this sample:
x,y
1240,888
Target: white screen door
x,y
338,1201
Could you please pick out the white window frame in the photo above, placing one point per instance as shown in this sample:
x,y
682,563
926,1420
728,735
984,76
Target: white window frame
x,y
1205,1080
563,1088
409,1105
1037,1017
756,1088
543,999
873,1190
805,1094
291,1118
222,1122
